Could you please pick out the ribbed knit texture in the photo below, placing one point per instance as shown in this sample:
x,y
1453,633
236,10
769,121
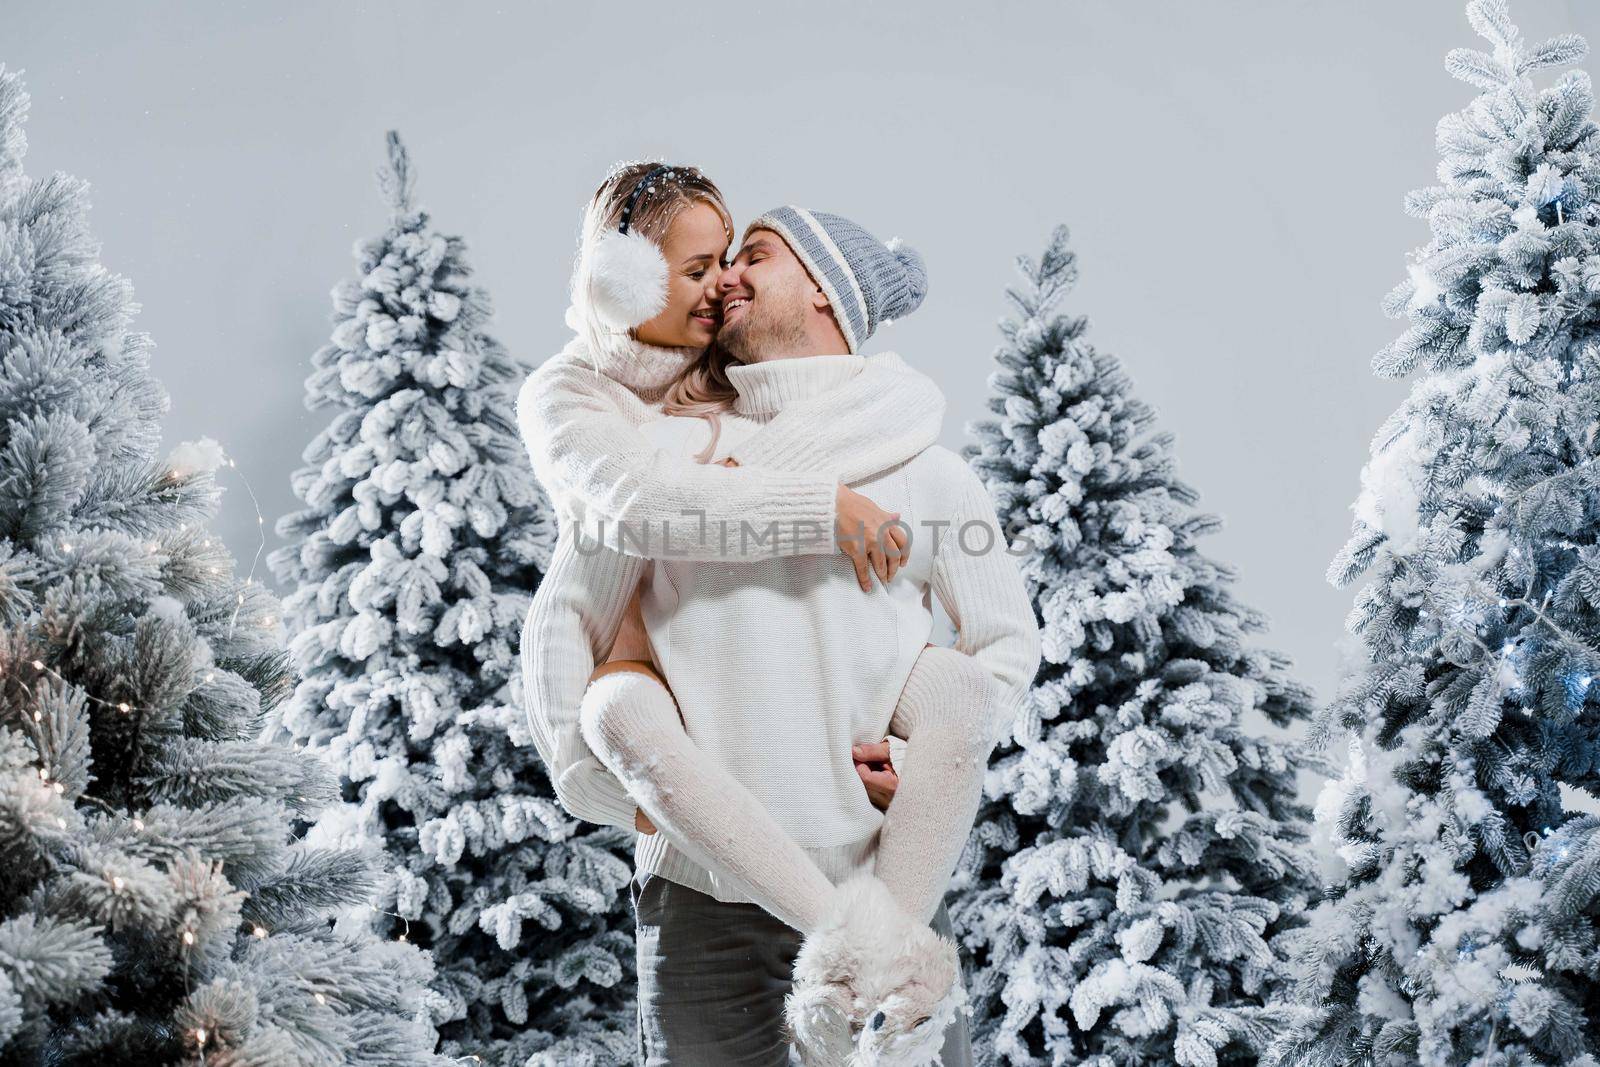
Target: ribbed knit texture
x,y
646,369
630,720
780,665
581,415
576,613
583,432
867,282
805,435
948,714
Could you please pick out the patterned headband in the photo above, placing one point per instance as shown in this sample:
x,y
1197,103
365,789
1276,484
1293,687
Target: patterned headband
x,y
643,185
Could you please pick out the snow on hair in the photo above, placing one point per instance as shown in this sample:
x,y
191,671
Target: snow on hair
x,y
703,388
653,213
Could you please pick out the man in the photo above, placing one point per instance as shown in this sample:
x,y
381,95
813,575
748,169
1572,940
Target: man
x,y
736,641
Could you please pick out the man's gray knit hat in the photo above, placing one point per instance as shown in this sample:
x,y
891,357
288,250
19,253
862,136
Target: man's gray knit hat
x,y
867,282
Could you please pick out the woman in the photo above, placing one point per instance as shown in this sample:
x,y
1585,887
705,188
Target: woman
x,y
612,382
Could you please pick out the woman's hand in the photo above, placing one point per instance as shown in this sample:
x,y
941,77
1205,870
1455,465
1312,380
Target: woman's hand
x,y
642,823
877,773
862,531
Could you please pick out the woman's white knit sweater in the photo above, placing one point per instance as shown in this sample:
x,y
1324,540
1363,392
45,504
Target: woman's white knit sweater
x,y
580,415
779,665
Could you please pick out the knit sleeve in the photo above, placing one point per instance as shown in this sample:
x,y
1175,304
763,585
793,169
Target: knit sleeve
x,y
636,498
877,419
575,615
978,583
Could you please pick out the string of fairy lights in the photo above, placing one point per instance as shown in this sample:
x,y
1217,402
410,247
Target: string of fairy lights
x,y
1502,660
1517,972
186,937
1503,657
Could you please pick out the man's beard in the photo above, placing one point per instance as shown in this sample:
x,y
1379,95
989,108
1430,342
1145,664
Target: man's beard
x,y
767,328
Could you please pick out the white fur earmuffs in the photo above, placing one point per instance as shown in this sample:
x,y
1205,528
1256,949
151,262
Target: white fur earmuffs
x,y
627,279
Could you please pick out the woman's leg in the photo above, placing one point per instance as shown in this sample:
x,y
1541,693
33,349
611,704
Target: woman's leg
x,y
632,723
946,714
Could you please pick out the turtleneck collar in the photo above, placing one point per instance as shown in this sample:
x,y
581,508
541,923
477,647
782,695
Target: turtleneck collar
x,y
646,369
765,387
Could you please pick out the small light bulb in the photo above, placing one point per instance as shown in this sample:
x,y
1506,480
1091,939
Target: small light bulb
x,y
116,883
122,706
321,999
260,931
138,824
188,937
60,789
200,1036
38,665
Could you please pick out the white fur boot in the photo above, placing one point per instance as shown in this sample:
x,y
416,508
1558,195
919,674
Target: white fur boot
x,y
869,962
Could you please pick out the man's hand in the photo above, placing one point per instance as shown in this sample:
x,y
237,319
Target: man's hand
x,y
861,530
642,823
877,773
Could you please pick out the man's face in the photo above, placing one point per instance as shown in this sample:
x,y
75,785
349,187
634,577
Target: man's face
x,y
766,299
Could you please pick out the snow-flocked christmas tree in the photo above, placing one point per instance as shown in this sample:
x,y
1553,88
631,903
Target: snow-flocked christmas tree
x,y
1140,847
1460,924
154,906
413,563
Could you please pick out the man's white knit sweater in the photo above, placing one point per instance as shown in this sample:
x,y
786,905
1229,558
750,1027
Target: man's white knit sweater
x,y
780,665
580,412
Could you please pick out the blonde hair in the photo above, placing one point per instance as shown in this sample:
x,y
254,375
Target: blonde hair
x,y
703,389
665,199
654,209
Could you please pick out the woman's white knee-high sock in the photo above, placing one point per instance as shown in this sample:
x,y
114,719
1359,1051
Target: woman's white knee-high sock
x,y
631,722
946,714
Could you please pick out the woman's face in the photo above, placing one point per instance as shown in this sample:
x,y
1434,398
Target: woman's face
x,y
694,248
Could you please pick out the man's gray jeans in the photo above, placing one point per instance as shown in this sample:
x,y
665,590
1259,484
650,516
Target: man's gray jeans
x,y
713,975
